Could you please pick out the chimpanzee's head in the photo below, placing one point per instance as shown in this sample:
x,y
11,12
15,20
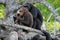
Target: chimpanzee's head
x,y
28,5
22,11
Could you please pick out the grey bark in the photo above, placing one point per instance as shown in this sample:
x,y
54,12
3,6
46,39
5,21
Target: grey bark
x,y
20,26
12,36
23,36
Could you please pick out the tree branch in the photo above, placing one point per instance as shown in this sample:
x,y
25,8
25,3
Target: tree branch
x,y
21,27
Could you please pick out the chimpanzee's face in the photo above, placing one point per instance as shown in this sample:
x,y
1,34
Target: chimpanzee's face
x,y
20,12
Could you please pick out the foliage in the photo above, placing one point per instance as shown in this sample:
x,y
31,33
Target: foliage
x,y
50,26
20,1
2,11
58,12
55,4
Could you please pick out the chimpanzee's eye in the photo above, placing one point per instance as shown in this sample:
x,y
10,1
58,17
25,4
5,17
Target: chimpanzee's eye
x,y
20,11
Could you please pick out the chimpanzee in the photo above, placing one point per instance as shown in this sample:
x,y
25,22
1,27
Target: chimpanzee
x,y
23,17
37,18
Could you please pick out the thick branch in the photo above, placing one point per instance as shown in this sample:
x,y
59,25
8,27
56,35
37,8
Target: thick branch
x,y
19,26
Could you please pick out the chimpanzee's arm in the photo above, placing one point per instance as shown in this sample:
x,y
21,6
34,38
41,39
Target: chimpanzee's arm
x,y
21,18
28,19
25,21
34,12
14,18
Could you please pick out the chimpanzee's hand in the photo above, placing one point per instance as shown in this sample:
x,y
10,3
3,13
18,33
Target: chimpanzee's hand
x,y
21,18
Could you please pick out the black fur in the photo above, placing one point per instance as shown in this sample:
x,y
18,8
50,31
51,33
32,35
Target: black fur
x,y
48,37
36,37
36,15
